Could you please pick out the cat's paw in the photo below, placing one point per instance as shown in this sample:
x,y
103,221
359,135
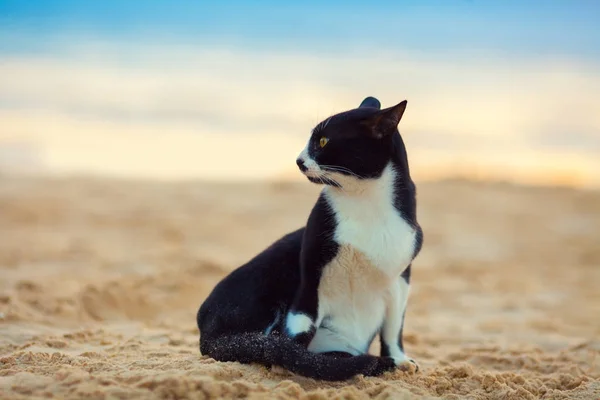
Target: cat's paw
x,y
299,327
297,323
405,363
384,364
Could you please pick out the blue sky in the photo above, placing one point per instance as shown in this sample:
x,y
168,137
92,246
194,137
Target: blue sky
x,y
508,27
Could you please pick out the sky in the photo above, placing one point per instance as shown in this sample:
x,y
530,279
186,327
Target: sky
x,y
528,28
200,89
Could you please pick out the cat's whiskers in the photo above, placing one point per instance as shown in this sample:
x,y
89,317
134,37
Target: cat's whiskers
x,y
336,168
322,175
337,185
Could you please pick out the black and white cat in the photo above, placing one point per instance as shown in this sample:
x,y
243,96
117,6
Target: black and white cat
x,y
315,299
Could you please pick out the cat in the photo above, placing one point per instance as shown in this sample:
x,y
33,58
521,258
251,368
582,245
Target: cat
x,y
314,300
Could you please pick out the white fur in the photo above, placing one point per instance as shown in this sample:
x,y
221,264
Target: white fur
x,y
353,320
298,323
368,221
393,319
364,291
313,168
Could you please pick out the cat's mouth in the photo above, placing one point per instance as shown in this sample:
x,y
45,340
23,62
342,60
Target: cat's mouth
x,y
315,179
322,179
314,173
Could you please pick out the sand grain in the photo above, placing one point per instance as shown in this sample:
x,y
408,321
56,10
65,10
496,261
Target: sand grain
x,y
101,281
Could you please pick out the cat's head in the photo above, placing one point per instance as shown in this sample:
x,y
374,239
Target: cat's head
x,y
351,146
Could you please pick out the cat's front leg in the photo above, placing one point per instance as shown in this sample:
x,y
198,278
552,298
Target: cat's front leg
x,y
393,326
302,318
317,251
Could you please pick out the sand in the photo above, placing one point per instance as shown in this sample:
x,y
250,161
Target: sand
x,y
101,280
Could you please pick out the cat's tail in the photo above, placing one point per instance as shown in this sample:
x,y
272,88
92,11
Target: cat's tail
x,y
282,351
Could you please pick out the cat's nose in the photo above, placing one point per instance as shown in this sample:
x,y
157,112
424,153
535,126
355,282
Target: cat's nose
x,y
301,165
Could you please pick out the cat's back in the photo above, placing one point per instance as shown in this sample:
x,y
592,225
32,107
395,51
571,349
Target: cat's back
x,y
270,277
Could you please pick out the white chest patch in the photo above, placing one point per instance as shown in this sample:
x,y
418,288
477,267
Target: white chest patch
x,y
376,246
368,222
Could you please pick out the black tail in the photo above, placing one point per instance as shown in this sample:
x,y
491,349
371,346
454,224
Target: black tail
x,y
282,351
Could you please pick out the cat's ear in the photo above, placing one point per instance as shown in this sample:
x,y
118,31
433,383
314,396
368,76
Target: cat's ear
x,y
371,102
386,121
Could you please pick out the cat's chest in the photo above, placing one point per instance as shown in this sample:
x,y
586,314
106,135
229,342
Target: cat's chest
x,y
374,228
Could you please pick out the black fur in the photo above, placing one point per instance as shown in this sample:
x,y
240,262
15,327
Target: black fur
x,y
233,318
355,142
370,102
316,251
353,147
243,319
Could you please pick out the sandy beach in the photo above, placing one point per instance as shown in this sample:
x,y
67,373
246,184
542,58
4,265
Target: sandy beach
x,y
101,280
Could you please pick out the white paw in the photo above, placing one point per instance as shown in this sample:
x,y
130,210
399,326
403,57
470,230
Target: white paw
x,y
296,324
405,363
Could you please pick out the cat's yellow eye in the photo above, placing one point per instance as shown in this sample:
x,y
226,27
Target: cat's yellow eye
x,y
323,141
